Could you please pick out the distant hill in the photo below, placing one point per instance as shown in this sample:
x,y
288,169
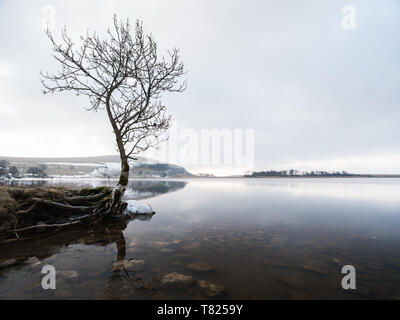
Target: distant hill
x,y
100,166
314,174
295,173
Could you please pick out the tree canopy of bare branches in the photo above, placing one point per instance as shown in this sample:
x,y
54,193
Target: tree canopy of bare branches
x,y
124,75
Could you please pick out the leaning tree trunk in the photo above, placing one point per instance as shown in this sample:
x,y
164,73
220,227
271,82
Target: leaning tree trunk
x,y
118,206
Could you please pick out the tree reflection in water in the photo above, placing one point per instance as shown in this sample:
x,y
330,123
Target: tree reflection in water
x,y
20,254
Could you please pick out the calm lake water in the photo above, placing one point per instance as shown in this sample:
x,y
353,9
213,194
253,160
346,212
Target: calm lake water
x,y
226,239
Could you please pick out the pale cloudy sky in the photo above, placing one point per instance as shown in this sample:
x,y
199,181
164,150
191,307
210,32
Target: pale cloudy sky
x,y
317,95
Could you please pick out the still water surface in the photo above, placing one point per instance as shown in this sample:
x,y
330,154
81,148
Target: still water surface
x,y
226,239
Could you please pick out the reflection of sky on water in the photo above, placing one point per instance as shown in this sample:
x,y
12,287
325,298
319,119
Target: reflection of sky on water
x,y
371,189
371,205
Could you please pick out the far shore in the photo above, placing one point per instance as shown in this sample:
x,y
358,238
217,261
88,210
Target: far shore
x,y
76,178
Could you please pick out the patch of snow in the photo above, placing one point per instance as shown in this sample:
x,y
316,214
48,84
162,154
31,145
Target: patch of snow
x,y
137,207
113,165
76,164
109,170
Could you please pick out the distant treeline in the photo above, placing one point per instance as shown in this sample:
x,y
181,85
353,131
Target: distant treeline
x,y
8,172
295,173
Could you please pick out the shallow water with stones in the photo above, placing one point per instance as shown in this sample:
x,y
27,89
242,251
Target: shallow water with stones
x,y
224,239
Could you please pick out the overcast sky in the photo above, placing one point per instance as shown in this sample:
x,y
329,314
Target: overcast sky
x,y
317,95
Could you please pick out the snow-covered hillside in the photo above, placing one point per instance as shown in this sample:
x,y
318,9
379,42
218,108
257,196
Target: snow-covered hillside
x,y
97,167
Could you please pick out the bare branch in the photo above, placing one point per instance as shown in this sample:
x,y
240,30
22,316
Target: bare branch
x,y
123,74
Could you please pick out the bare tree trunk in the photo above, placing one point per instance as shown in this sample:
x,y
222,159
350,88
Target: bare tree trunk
x,y
118,206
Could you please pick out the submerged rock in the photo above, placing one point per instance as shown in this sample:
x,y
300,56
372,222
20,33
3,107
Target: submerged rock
x,y
292,281
199,267
133,243
317,267
210,289
68,273
7,263
192,245
158,244
130,265
176,278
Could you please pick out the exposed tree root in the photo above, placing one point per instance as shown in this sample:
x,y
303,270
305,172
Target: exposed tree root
x,y
25,211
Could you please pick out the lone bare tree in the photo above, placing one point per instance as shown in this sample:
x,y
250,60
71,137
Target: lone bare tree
x,y
124,75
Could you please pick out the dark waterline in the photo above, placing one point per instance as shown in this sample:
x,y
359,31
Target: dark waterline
x,y
252,238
